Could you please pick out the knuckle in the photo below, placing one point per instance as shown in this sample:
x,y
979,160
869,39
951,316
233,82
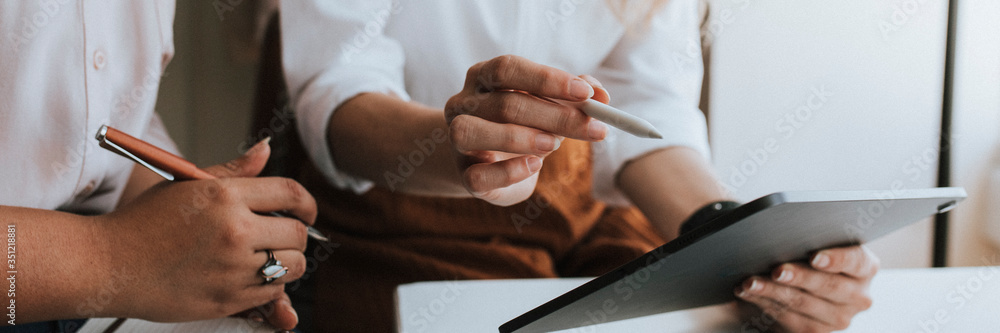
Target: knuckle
x,y
796,301
564,120
295,190
501,67
475,181
833,285
219,192
461,133
462,103
296,267
301,234
551,77
512,108
474,70
511,140
453,107
233,234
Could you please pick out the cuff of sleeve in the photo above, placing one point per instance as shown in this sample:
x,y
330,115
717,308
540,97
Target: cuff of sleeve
x,y
313,131
619,148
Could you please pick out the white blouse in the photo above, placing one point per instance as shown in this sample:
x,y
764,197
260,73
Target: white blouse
x,y
421,49
66,68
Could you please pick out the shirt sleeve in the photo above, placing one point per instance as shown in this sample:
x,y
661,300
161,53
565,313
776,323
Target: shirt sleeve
x,y
656,74
347,54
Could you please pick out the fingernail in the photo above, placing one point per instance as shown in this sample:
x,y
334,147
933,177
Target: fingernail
x,y
739,292
534,164
755,285
597,130
594,82
545,142
821,260
580,89
260,145
785,276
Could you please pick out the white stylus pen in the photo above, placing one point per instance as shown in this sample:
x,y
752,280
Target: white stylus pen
x,y
609,115
619,119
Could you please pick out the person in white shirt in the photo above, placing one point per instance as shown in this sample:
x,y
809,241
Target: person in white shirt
x,y
89,233
369,79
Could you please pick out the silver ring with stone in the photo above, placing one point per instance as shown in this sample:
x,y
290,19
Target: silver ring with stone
x,y
272,269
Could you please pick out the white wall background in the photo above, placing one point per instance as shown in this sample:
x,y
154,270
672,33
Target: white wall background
x,y
977,131
773,127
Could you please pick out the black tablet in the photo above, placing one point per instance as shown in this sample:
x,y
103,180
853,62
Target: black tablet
x,y
703,266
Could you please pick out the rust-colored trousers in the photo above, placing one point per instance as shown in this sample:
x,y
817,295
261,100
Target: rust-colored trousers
x,y
386,239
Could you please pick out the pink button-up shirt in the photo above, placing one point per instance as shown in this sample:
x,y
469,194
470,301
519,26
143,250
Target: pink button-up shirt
x,y
66,68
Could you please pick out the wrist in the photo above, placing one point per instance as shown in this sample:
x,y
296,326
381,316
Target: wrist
x,y
102,277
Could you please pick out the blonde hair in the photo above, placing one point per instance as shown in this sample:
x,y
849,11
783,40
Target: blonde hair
x,y
635,14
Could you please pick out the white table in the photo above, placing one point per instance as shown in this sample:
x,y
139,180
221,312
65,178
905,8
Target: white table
x,y
926,300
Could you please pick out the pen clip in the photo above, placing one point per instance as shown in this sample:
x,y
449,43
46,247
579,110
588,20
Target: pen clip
x,y
107,144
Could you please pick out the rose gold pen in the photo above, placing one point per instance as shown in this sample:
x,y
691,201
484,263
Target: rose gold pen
x,y
165,164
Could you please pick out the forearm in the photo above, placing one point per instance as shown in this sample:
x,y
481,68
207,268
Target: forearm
x,y
60,264
668,185
399,145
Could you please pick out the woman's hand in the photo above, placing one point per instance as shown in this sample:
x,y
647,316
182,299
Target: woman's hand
x,y
502,136
821,297
192,250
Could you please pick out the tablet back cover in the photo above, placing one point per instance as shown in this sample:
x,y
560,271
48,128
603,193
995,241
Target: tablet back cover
x,y
703,266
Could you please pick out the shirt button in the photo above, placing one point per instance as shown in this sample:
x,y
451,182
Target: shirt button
x,y
100,59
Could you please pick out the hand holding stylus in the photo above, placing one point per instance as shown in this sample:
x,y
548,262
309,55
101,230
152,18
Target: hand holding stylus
x,y
503,124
